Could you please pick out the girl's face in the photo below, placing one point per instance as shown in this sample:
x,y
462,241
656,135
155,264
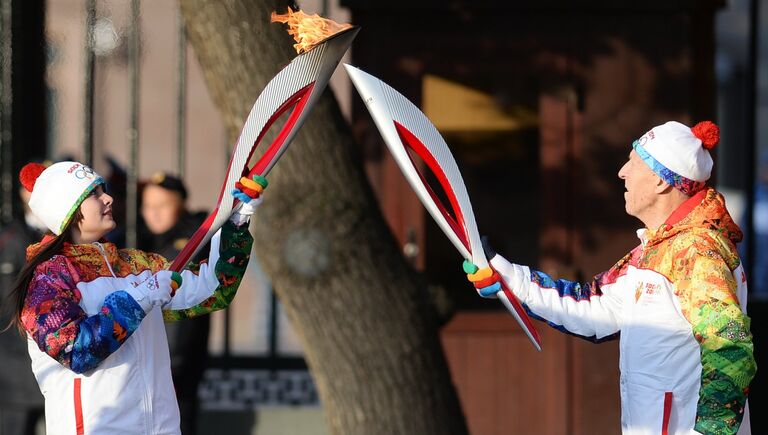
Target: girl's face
x,y
97,217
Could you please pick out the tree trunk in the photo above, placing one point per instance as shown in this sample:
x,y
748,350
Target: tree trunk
x,y
370,333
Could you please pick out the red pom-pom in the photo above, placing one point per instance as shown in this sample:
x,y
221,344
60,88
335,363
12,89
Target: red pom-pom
x,y
708,132
29,174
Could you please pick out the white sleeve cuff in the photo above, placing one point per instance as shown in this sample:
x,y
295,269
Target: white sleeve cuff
x,y
515,276
239,219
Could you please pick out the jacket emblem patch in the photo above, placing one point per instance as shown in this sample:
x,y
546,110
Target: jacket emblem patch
x,y
646,288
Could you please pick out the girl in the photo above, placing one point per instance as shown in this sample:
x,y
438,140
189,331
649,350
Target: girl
x,y
93,314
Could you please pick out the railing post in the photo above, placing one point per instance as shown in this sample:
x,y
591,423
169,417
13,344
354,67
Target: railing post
x,y
181,96
6,110
88,82
134,62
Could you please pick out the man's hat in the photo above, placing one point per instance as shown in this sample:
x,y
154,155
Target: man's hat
x,y
680,154
168,182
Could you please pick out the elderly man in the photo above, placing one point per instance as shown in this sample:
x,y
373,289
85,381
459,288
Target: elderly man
x,y
677,301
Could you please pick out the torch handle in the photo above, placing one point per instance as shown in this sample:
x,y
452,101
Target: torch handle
x,y
515,308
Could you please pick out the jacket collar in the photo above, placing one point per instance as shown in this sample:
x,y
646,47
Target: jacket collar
x,y
705,210
74,251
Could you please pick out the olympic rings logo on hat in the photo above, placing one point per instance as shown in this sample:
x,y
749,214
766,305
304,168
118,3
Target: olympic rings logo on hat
x,y
85,172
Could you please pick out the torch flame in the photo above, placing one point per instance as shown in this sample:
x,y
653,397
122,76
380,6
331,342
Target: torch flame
x,y
307,30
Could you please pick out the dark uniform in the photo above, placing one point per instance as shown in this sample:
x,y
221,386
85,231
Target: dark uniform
x,y
187,339
21,404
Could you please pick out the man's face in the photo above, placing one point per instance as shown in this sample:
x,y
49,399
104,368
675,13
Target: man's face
x,y
161,208
640,182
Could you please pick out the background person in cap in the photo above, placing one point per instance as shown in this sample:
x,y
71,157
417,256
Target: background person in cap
x,y
677,301
166,230
21,404
94,314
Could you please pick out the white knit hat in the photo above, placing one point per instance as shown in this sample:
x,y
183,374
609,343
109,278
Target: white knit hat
x,y
680,154
58,190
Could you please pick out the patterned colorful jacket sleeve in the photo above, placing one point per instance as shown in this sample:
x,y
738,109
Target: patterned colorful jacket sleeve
x,y
54,319
214,285
589,311
707,294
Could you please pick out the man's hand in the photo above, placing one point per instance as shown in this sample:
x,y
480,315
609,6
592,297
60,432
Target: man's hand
x,y
487,248
486,281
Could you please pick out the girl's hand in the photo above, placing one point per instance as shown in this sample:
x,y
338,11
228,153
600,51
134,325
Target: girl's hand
x,y
249,192
156,290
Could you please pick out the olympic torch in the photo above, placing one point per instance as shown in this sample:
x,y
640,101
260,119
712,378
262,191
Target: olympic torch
x,y
407,131
321,43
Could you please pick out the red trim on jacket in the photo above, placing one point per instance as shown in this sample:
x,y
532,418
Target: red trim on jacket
x,y
79,427
667,413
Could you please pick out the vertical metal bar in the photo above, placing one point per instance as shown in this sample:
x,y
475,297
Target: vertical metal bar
x,y
6,106
750,133
134,59
89,82
272,351
227,333
181,96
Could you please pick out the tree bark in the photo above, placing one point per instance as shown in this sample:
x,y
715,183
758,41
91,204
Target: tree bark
x,y
370,333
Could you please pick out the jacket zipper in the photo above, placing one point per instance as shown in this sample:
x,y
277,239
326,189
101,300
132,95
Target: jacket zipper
x,y
140,355
147,396
106,260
